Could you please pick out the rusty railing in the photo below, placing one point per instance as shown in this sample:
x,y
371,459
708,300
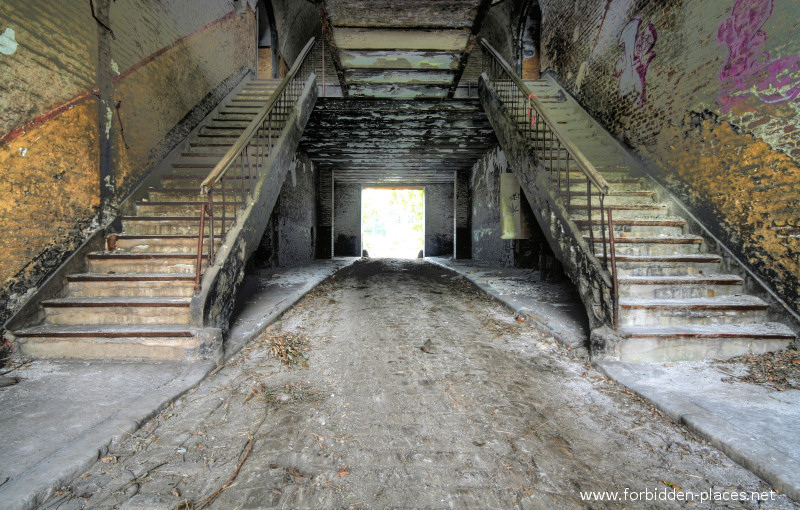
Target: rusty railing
x,y
233,179
568,168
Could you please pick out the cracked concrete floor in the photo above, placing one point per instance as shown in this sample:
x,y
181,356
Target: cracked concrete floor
x,y
494,415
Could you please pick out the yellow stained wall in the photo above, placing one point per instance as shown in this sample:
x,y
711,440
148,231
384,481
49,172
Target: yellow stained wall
x,y
166,57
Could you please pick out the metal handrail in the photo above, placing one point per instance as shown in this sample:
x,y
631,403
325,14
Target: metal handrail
x,y
585,165
248,156
250,131
554,150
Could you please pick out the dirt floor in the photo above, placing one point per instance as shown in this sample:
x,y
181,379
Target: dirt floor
x,y
408,388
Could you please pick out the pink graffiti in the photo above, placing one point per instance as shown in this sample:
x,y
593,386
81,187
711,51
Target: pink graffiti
x,y
632,66
749,69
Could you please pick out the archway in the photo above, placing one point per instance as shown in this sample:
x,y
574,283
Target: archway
x,y
528,34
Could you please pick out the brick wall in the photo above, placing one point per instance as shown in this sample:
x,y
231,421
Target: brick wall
x,y
438,220
708,101
65,162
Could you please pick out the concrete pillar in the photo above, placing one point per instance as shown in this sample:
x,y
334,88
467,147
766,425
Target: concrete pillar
x,y
324,244
438,220
347,220
462,217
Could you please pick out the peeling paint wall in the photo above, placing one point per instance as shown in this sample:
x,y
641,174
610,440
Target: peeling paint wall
x,y
290,237
438,220
708,95
72,80
486,222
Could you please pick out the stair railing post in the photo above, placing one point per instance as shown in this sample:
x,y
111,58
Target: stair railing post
x,y
589,212
200,239
210,212
615,283
603,228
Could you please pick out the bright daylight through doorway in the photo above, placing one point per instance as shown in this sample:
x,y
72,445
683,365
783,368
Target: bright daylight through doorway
x,y
392,221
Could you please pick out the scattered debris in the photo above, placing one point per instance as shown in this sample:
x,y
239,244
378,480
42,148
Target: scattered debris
x,y
427,346
778,370
289,348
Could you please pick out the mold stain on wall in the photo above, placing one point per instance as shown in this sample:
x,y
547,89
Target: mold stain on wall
x,y
746,191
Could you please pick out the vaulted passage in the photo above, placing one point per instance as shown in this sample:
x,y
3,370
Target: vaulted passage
x,y
621,176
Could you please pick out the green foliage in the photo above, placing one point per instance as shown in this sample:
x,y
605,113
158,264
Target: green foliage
x,y
393,221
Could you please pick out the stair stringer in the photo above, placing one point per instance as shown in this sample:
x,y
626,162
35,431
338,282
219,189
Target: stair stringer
x,y
212,306
591,279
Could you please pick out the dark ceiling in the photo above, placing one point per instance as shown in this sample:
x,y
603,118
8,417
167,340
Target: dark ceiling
x,y
384,141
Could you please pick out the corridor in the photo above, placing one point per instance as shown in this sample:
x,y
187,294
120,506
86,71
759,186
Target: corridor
x,y
407,388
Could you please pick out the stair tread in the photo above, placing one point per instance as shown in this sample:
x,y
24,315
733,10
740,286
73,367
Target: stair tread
x,y
738,301
82,277
107,330
754,329
140,255
118,301
664,221
654,239
727,279
688,257
176,237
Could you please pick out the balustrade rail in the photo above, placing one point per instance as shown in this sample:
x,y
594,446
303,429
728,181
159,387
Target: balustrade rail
x,y
567,167
233,179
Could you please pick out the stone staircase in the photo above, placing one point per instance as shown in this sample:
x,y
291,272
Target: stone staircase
x,y
676,299
133,300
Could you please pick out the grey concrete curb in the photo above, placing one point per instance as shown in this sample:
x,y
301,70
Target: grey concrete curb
x,y
772,466
33,487
38,483
234,345
516,310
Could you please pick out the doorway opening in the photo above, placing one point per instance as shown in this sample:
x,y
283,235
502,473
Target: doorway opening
x,y
393,222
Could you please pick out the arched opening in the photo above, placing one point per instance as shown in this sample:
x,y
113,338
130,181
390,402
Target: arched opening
x,y
267,42
527,56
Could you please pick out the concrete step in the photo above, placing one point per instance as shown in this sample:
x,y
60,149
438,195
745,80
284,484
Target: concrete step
x,y
124,262
669,265
680,287
165,225
622,211
657,245
114,311
636,226
234,132
186,244
613,198
689,343
685,312
170,341
185,195
194,179
183,208
130,285
616,183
